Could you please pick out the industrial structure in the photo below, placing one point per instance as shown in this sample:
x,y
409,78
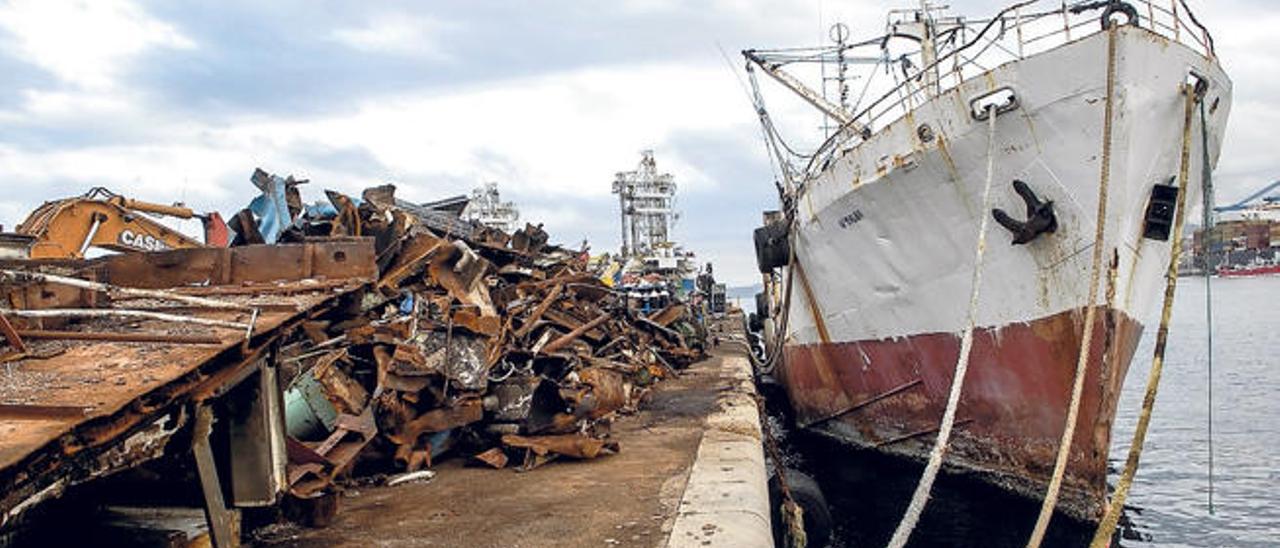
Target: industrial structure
x,y
487,208
646,200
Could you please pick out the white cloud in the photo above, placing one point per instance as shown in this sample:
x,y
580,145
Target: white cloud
x,y
1243,37
560,133
397,34
84,42
559,136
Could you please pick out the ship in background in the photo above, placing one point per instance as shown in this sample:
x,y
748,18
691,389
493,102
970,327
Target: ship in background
x,y
651,267
486,206
868,261
1244,240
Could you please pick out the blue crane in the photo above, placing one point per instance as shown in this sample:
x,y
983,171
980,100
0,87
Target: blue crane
x,y
1243,204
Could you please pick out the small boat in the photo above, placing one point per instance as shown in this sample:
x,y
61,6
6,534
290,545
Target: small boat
x,y
1256,268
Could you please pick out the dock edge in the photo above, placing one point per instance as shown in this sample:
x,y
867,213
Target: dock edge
x,y
726,499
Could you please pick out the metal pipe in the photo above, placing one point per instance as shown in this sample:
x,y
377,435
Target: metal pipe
x,y
18,275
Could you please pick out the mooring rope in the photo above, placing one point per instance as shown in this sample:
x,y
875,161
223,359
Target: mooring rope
x,y
1206,188
1095,272
1102,536
921,495
792,513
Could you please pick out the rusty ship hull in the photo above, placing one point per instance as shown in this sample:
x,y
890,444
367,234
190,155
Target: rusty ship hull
x,y
884,240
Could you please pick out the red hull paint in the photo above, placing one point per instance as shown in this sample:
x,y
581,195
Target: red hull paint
x,y
890,395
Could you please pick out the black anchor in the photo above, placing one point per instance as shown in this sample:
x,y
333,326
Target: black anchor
x,y
1040,216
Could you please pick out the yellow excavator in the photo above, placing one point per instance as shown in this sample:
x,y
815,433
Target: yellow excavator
x,y
67,228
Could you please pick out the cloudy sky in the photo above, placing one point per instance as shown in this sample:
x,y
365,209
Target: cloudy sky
x,y
170,101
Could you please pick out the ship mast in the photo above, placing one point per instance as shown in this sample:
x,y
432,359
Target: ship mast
x,y
928,49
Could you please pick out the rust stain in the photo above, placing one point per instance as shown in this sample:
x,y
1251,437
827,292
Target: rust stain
x,y
1016,397
815,311
946,157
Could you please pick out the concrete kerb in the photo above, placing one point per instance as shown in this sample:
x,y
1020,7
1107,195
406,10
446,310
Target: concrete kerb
x,y
726,500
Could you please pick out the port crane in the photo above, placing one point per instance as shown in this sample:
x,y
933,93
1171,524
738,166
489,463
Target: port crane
x,y
1244,204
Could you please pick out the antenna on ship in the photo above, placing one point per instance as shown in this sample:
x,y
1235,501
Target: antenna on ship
x,y
839,34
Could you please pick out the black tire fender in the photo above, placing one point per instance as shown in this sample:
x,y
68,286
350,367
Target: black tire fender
x,y
762,305
773,248
805,491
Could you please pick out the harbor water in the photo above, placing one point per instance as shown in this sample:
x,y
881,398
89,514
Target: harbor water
x,y
1168,505
1170,500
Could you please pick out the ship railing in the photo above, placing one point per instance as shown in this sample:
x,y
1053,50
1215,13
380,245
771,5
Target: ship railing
x,y
976,46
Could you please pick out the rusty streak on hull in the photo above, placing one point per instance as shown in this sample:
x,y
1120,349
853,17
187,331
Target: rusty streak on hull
x,y
1012,411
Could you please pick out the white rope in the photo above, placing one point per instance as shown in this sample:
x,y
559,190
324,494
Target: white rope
x,y
921,495
1091,308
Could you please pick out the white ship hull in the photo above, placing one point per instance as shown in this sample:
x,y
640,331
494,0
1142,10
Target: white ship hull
x,y
885,246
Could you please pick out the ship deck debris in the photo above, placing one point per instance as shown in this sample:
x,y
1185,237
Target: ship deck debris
x,y
363,337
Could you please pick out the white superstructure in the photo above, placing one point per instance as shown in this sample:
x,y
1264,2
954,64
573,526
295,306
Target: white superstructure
x,y
646,201
487,208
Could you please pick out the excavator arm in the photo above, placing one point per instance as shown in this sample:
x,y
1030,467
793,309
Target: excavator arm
x,y
68,228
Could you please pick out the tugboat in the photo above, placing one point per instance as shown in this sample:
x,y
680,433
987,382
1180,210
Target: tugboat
x,y
1055,108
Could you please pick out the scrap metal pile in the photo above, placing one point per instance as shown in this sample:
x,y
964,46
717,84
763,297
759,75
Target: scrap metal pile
x,y
496,346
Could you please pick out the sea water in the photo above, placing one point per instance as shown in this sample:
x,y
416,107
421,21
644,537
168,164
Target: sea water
x,y
1170,496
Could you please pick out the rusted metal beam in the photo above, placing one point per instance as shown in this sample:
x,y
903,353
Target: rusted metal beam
x,y
667,315
337,259
573,335
541,309
223,521
11,335
38,411
413,257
